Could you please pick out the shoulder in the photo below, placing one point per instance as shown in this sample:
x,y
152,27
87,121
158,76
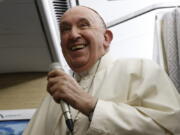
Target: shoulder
x,y
129,65
135,65
135,62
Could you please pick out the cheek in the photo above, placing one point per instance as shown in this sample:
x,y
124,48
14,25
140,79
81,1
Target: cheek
x,y
65,53
64,43
98,43
64,38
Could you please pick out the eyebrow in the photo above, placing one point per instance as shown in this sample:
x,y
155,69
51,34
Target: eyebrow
x,y
80,19
83,19
63,23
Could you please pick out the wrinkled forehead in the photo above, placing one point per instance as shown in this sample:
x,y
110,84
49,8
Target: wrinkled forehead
x,y
81,12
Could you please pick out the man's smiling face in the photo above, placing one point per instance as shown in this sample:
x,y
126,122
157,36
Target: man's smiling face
x,y
83,38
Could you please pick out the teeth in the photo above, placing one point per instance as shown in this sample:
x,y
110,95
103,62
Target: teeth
x,y
77,47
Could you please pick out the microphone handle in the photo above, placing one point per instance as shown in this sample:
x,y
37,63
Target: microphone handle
x,y
67,115
64,106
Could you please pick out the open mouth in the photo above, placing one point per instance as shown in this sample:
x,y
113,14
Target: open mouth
x,y
78,47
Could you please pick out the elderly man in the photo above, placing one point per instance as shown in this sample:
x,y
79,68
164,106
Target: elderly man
x,y
107,97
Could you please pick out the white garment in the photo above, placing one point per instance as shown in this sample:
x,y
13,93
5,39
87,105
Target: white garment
x,y
135,97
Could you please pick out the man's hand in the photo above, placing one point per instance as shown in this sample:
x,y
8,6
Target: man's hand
x,y
63,87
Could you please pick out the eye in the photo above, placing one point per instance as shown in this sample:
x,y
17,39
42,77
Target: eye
x,y
65,28
83,24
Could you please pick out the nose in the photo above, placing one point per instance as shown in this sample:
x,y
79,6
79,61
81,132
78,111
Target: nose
x,y
75,33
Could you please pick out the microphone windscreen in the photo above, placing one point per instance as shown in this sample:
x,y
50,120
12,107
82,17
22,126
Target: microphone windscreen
x,y
55,65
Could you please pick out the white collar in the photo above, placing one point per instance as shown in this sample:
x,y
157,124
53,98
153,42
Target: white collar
x,y
103,62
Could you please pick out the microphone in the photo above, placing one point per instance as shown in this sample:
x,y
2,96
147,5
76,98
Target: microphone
x,y
64,106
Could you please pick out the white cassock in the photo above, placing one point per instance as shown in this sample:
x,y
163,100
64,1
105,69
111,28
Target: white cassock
x,y
135,97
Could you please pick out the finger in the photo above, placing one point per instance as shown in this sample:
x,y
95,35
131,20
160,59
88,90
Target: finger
x,y
51,83
56,96
55,72
49,89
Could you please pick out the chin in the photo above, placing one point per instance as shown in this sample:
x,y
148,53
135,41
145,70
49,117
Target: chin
x,y
80,69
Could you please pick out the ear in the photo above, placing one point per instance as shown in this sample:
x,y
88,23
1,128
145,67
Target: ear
x,y
108,36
